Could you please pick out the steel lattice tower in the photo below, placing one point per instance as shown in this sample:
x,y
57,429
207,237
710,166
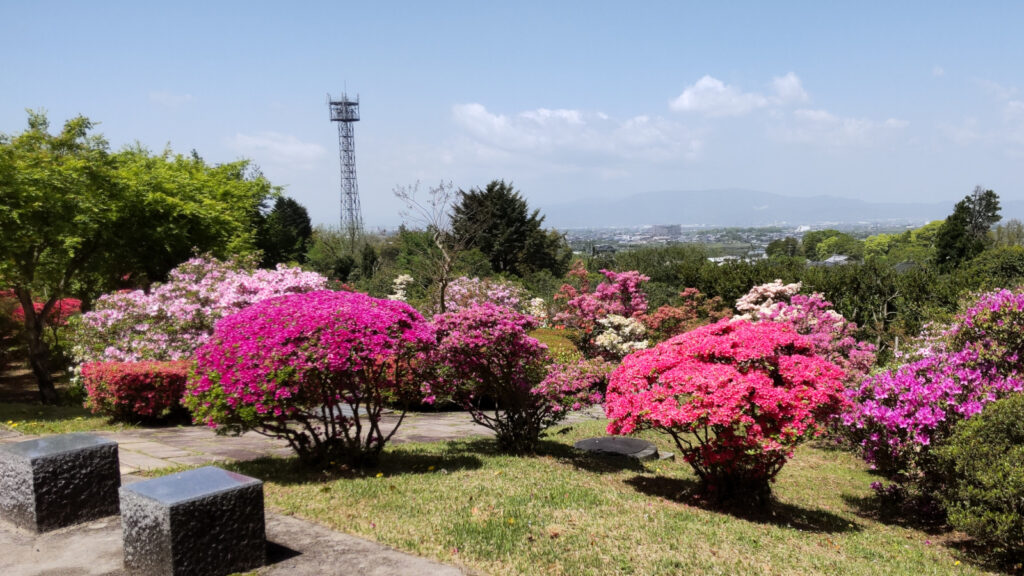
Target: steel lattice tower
x,y
345,111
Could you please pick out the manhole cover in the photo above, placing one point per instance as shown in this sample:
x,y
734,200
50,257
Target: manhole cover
x,y
631,447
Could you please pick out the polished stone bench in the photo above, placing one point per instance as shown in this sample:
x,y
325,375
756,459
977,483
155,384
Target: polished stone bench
x,y
205,521
57,481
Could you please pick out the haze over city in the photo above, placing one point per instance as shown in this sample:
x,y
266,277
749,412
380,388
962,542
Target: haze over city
x,y
912,102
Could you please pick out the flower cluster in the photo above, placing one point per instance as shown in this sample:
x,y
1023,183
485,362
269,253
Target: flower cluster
x,y
830,333
621,336
173,319
735,396
399,286
573,386
762,299
315,369
538,308
487,358
133,390
466,292
696,309
619,294
900,416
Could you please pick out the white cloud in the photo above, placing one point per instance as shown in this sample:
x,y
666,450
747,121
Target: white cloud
x,y
169,99
277,149
789,89
574,137
712,97
823,128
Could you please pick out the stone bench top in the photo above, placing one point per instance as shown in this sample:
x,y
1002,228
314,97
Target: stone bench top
x,y
49,446
190,485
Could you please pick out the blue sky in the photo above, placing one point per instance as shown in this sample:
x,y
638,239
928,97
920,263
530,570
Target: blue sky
x,y
907,101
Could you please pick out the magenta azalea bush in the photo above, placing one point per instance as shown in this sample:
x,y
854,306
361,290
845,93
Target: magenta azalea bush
x,y
487,358
315,369
736,397
172,319
902,415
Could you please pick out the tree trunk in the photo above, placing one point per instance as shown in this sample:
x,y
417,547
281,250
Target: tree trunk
x,y
38,350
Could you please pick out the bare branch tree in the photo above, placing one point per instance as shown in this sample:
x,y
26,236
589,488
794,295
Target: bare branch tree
x,y
434,214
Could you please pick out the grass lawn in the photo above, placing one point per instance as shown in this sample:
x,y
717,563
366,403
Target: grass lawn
x,y
561,512
45,419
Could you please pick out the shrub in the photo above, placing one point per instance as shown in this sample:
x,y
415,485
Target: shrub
x,y
735,396
487,357
619,294
59,314
173,319
983,465
134,390
902,415
466,292
315,369
695,310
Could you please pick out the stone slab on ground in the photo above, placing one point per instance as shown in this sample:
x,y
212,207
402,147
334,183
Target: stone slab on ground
x,y
620,446
202,521
56,481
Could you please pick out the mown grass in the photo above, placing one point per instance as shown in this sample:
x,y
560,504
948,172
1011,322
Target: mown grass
x,y
46,419
562,512
560,346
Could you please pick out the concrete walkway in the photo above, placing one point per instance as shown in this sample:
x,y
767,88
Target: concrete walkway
x,y
294,546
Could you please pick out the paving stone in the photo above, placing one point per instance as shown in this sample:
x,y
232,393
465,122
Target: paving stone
x,y
619,445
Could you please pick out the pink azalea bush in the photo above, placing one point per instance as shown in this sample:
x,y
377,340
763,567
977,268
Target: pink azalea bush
x,y
831,335
134,390
487,358
901,416
736,397
620,294
694,310
171,320
466,292
315,369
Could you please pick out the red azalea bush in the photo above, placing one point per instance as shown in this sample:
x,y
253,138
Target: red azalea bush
x,y
694,310
736,397
315,369
133,390
486,356
59,314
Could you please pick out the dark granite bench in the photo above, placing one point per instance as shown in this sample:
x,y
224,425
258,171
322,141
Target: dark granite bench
x,y
206,521
58,481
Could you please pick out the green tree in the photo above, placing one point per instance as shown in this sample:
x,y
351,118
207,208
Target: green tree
x,y
285,233
787,246
497,221
72,213
329,253
1009,234
813,238
964,234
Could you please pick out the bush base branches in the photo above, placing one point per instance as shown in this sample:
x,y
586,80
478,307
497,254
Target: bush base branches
x,y
736,397
487,358
316,369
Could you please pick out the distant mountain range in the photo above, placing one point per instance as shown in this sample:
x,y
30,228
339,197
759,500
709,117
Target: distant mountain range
x,y
734,207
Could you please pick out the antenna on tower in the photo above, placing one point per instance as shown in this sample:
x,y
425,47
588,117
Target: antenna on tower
x,y
345,111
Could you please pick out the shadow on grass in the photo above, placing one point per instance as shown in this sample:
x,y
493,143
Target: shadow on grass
x,y
914,513
687,491
291,471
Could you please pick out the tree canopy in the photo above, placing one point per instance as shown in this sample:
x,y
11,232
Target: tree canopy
x,y
964,234
76,218
498,222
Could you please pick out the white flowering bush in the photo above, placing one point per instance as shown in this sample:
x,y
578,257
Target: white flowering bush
x,y
621,336
398,287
